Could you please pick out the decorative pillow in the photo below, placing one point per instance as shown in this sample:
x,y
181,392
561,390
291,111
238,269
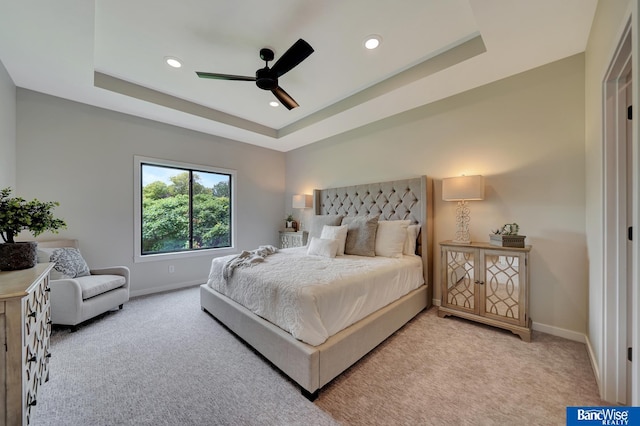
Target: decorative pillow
x,y
69,263
412,237
322,247
361,235
319,221
390,237
338,233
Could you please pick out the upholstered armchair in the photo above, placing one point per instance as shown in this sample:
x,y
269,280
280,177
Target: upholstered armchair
x,y
77,292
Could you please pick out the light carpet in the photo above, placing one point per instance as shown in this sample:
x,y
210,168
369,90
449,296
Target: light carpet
x,y
163,361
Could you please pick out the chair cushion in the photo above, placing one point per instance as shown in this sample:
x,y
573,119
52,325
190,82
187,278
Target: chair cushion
x,y
93,285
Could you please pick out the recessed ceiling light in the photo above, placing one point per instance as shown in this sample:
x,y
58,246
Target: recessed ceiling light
x,y
372,41
274,104
173,61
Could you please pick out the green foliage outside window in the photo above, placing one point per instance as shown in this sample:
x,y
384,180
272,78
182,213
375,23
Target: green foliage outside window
x,y
166,213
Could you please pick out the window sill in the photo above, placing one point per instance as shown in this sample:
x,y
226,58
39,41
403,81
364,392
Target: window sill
x,y
212,253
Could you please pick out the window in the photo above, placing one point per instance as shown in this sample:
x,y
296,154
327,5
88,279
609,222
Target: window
x,y
182,208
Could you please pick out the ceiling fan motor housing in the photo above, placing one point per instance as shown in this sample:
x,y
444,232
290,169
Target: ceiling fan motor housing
x,y
265,79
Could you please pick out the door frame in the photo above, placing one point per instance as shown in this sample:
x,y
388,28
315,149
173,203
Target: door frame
x,y
614,377
635,147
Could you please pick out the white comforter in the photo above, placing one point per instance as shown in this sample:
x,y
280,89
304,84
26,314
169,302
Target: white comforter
x,y
314,297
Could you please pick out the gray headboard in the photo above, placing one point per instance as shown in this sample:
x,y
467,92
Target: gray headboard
x,y
410,199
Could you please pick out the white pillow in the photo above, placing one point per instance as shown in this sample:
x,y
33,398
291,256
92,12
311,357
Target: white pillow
x,y
390,237
412,237
318,221
322,247
338,233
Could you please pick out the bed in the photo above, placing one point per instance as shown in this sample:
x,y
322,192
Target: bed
x,y
312,360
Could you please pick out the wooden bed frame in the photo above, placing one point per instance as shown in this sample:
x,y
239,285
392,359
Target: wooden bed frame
x,y
312,367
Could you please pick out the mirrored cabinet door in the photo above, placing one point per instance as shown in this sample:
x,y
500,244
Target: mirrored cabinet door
x,y
459,267
503,286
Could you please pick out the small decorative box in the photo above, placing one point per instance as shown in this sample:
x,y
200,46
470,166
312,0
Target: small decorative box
x,y
507,240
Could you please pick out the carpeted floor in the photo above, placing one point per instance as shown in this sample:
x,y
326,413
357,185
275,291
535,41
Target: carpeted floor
x,y
163,361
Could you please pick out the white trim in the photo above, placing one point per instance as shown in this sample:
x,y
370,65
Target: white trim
x,y
635,262
576,336
614,142
137,203
217,252
560,332
594,362
170,287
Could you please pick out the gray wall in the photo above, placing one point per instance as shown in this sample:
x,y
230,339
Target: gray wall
x,y
525,134
82,156
7,130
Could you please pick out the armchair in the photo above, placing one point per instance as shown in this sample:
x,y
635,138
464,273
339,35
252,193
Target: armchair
x,y
77,292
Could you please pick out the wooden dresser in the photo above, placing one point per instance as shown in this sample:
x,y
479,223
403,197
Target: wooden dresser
x,y
25,327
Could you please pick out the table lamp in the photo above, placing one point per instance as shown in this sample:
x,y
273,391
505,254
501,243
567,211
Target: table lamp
x,y
301,201
463,189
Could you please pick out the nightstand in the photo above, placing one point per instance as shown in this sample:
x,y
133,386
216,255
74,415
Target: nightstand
x,y
488,284
293,239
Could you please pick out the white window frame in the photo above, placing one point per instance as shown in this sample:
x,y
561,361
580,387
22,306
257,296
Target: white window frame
x,y
137,208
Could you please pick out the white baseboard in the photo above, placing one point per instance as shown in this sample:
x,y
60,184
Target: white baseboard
x,y
549,329
560,332
174,286
594,363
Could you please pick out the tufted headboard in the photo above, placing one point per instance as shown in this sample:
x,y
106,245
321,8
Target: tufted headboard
x,y
410,199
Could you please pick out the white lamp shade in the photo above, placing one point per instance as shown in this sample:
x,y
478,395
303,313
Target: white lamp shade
x,y
302,201
463,188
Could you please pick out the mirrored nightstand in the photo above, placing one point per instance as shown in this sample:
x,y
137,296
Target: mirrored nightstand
x,y
293,239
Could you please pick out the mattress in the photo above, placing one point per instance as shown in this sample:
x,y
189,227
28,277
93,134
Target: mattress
x,y
315,297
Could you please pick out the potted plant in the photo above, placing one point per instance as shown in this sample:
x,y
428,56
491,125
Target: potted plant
x,y
16,215
289,221
507,236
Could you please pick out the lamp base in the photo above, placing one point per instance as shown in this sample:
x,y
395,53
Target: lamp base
x,y
462,241
462,223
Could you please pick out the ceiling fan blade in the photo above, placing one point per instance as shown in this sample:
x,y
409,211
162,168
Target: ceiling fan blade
x,y
284,98
292,57
217,76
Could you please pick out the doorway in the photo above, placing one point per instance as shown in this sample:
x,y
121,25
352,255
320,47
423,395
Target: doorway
x,y
619,199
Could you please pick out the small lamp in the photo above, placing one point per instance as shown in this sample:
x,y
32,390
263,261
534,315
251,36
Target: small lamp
x,y
301,201
462,189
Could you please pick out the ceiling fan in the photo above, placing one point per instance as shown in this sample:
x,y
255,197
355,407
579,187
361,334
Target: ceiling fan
x,y
267,78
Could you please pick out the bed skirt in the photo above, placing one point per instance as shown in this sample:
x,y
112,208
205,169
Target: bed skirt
x,y
312,367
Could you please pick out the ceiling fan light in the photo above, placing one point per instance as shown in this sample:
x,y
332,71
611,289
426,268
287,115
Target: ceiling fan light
x,y
372,42
173,61
274,104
